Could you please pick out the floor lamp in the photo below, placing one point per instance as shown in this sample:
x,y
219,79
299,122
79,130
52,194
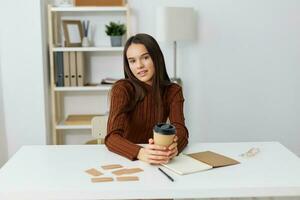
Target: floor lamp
x,y
175,24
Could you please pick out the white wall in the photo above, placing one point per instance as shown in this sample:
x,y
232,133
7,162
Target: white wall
x,y
23,75
3,142
241,77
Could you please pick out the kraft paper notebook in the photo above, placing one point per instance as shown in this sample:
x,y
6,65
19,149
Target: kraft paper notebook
x,y
195,162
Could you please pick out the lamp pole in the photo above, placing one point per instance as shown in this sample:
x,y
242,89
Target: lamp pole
x,y
175,79
174,56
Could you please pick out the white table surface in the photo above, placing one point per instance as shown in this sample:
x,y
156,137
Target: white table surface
x,y
57,172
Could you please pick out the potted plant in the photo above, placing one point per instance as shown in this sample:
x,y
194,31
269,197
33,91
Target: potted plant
x,y
115,31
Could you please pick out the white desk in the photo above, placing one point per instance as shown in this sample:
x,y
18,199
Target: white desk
x,y
57,172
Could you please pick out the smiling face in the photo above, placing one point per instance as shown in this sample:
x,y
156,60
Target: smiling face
x,y
140,63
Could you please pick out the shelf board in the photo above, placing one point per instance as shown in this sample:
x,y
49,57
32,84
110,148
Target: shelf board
x,y
89,9
78,121
62,126
85,88
102,48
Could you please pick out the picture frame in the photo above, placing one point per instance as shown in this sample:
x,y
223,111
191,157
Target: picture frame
x,y
73,33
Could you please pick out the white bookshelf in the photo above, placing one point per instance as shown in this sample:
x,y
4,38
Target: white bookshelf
x,y
62,126
86,88
78,99
85,49
90,9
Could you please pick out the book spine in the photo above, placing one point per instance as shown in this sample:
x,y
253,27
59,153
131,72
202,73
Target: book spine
x,y
80,69
59,69
73,69
67,80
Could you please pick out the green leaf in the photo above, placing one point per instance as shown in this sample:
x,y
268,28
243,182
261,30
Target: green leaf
x,y
115,29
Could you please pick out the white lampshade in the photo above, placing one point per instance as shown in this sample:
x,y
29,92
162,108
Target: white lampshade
x,y
175,24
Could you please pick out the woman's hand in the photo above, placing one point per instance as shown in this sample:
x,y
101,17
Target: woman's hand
x,y
173,148
155,154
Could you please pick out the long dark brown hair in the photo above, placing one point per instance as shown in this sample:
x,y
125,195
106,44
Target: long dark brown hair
x,y
160,78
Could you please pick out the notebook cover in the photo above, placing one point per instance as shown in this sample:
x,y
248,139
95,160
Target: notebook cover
x,y
184,164
213,159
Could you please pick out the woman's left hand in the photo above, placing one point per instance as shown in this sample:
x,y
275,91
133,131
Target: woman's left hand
x,y
173,148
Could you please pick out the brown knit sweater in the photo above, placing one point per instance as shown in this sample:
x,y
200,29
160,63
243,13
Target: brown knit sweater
x,y
125,131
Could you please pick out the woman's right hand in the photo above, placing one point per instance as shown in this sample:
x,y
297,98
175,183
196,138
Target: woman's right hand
x,y
154,154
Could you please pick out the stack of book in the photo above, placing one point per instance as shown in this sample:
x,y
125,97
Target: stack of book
x,y
80,119
69,69
109,81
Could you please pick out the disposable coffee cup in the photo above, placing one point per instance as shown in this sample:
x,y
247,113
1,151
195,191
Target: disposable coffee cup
x,y
163,134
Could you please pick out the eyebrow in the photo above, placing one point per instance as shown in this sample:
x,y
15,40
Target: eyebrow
x,y
140,55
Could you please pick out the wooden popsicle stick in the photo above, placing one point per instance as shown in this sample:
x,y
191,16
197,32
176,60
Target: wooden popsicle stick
x,y
93,172
114,166
127,171
101,179
127,178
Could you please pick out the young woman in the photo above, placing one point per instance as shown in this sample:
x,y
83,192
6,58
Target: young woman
x,y
144,98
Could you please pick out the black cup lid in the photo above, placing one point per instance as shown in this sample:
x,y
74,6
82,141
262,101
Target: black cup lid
x,y
163,128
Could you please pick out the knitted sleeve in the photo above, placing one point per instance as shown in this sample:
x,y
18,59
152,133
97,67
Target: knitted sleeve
x,y
176,117
117,121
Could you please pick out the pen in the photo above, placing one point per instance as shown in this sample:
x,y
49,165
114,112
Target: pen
x,y
168,176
